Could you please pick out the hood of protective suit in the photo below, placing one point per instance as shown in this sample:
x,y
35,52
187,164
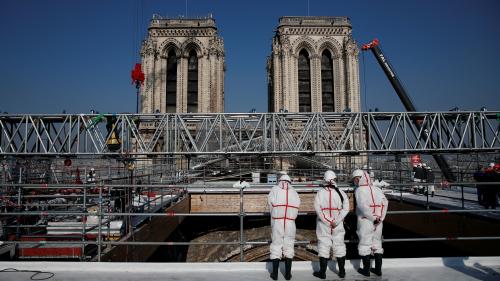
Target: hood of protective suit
x,y
284,184
364,180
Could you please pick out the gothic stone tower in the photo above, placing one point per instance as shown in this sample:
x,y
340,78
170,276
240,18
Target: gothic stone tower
x,y
313,66
183,61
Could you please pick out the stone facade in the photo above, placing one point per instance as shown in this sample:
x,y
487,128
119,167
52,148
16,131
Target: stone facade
x,y
317,36
195,54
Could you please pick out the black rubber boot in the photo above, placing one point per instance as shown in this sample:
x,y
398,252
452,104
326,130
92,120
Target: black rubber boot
x,y
366,266
378,265
323,263
288,269
341,262
274,273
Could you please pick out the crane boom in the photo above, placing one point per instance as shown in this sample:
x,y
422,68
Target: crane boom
x,y
405,99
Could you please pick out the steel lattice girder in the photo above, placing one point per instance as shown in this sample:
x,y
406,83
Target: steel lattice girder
x,y
256,133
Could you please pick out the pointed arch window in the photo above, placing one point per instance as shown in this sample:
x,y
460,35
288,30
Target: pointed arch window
x,y
304,68
171,92
192,94
327,94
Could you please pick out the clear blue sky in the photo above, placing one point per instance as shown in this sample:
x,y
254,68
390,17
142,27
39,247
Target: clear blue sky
x,y
77,55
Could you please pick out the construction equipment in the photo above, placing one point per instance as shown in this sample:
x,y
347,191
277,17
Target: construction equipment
x,y
405,99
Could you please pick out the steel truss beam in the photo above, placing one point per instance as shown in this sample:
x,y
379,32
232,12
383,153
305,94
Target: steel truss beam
x,y
256,133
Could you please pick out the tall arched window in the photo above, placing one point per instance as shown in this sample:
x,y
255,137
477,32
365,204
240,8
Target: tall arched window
x,y
192,94
327,82
171,92
304,82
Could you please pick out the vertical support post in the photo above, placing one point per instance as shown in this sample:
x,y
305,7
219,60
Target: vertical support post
x,y
264,131
427,196
84,221
459,178
149,199
400,194
241,226
99,237
462,190
18,229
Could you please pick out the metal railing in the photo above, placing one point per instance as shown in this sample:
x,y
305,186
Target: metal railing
x,y
104,216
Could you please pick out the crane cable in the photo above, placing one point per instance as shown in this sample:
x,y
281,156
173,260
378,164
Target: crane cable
x,y
137,11
132,45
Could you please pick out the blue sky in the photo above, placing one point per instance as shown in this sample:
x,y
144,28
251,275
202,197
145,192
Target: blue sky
x,y
77,55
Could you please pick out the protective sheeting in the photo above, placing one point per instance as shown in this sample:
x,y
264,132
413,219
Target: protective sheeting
x,y
446,269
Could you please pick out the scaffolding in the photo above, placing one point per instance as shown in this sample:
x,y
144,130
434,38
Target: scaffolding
x,y
33,225
246,134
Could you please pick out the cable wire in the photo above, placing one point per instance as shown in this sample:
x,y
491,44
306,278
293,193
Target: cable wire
x,y
35,273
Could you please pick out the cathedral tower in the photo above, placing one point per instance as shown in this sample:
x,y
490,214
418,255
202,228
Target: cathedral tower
x,y
313,66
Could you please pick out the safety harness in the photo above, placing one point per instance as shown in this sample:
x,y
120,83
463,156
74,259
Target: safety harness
x,y
373,205
286,205
330,209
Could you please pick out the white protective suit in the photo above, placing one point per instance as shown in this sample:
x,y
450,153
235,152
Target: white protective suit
x,y
330,223
371,203
284,203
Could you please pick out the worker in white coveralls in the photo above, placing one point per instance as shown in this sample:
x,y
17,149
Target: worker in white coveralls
x,y
284,203
331,205
371,208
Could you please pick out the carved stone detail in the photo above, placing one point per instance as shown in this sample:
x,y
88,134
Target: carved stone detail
x,y
313,34
182,36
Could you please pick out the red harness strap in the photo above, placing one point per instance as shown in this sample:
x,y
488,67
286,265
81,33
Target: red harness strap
x,y
283,205
330,209
373,205
286,205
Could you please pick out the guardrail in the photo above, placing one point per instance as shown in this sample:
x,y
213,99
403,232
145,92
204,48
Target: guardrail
x,y
104,215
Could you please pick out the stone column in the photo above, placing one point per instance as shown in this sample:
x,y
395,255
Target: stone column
x,y
316,97
352,81
285,98
339,81
146,91
220,88
276,80
294,85
161,86
203,98
182,84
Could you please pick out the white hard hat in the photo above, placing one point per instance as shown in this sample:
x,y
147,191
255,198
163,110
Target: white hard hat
x,y
285,177
357,173
330,176
92,169
492,165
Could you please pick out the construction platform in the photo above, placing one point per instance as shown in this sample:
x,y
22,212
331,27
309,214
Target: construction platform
x,y
453,269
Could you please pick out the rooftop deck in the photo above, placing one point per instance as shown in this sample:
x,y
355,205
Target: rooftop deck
x,y
453,269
